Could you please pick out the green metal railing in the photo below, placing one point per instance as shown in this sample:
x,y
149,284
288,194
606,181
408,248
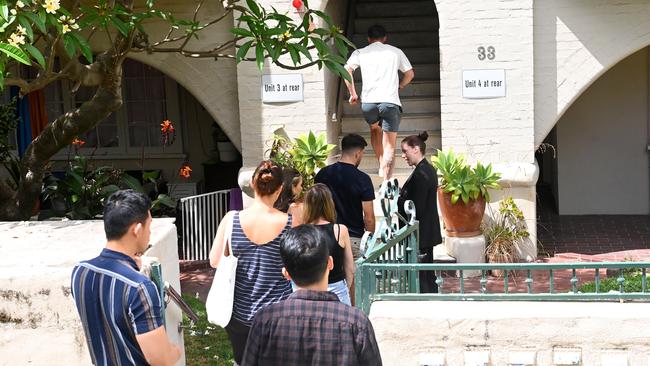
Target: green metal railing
x,y
376,288
395,241
389,270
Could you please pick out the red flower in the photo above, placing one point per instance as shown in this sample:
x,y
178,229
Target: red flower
x,y
78,142
185,171
297,4
168,132
167,126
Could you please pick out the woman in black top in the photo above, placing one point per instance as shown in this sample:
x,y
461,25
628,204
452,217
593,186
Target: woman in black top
x,y
421,188
319,210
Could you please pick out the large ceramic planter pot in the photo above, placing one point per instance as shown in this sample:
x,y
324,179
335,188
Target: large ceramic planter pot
x,y
461,219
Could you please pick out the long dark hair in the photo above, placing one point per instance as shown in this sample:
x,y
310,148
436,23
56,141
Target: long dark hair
x,y
318,203
290,178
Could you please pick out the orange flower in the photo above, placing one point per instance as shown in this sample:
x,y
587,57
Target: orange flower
x,y
185,171
167,126
77,142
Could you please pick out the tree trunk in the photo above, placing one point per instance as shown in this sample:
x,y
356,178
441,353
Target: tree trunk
x,y
20,204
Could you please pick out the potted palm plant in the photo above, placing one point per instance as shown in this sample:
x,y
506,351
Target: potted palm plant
x,y
462,192
504,231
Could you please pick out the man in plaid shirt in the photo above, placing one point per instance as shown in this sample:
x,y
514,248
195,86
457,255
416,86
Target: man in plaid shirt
x,y
311,327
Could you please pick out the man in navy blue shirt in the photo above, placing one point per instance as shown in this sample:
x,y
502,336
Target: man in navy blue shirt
x,y
352,190
120,308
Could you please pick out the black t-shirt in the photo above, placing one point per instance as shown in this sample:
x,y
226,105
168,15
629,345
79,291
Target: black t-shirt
x,y
350,187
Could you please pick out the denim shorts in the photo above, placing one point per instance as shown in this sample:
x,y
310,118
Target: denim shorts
x,y
339,288
388,114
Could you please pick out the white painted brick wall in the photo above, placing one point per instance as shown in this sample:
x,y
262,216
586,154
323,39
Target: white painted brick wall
x,y
259,120
489,130
575,43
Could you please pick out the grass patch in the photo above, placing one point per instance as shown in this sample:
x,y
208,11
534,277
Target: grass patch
x,y
205,343
633,283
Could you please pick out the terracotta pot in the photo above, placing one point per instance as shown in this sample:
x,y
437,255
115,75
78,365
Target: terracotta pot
x,y
461,219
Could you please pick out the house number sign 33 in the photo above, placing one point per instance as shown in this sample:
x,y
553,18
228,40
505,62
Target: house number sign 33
x,y
489,53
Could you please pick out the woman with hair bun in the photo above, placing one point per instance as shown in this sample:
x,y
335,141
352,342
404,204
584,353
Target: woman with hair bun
x,y
255,239
421,188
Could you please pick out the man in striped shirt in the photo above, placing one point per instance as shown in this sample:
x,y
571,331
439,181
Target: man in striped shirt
x,y
120,308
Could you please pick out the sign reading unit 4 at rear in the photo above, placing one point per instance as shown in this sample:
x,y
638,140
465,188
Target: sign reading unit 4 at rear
x,y
282,88
482,84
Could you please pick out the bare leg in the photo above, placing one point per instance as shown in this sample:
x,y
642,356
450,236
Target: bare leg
x,y
389,140
376,141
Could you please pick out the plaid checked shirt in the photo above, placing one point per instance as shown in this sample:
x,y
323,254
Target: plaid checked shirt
x,y
311,328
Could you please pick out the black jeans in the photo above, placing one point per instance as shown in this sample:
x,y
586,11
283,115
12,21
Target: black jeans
x,y
238,334
427,278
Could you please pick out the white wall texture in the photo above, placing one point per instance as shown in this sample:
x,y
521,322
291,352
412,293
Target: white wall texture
x,y
576,42
37,262
259,120
602,140
511,333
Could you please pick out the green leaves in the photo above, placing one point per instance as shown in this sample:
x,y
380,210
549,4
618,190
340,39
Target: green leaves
x,y
305,153
275,35
36,54
463,182
15,53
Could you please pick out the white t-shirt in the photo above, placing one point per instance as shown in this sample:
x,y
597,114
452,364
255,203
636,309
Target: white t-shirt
x,y
379,64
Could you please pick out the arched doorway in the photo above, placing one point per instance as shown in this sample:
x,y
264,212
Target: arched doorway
x,y
599,182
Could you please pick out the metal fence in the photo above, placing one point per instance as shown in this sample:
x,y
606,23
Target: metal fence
x,y
394,241
389,270
377,284
200,218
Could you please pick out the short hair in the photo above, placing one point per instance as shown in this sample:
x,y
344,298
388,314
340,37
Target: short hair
x,y
304,254
376,31
123,209
351,142
267,178
290,179
417,140
318,203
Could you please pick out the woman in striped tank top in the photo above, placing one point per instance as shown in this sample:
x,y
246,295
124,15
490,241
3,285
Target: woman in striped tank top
x,y
256,234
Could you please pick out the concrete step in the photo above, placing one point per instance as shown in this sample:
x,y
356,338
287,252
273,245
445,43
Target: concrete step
x,y
417,88
397,24
422,55
410,122
402,40
395,9
428,104
422,72
401,174
371,164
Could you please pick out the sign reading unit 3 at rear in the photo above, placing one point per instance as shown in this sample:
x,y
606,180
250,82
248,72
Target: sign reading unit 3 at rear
x,y
282,88
483,84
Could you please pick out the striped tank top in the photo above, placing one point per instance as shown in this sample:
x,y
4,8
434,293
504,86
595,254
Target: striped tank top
x,y
259,281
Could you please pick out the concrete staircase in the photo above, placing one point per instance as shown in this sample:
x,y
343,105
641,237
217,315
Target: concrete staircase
x,y
413,27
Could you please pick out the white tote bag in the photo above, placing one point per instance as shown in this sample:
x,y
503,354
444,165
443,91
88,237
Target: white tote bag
x,y
222,292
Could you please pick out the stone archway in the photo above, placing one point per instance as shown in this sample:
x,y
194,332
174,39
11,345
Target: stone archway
x,y
576,42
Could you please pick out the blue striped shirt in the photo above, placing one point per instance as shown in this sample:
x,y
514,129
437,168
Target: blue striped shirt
x,y
115,302
259,281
